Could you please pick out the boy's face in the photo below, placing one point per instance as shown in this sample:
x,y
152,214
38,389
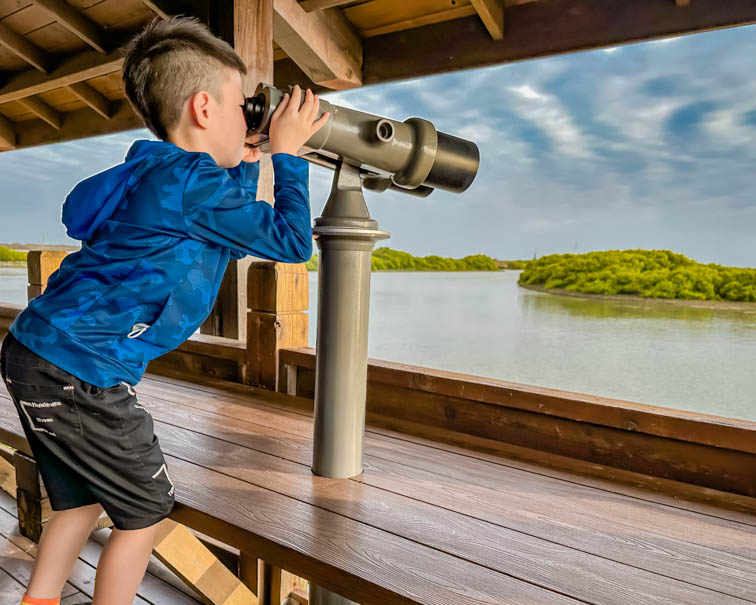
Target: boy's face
x,y
226,127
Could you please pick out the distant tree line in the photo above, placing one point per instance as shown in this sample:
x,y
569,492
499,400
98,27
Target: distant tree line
x,y
651,273
386,259
7,254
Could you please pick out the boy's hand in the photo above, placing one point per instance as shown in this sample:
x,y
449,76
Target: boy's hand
x,y
291,126
252,154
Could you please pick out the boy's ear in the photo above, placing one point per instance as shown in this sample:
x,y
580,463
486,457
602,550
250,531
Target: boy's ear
x,y
199,108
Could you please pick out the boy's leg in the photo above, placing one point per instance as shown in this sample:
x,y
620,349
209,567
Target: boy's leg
x,y
122,565
62,539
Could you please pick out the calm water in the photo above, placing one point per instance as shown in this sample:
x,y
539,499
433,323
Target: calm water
x,y
482,323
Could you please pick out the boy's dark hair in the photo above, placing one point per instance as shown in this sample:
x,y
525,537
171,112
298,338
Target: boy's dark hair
x,y
167,62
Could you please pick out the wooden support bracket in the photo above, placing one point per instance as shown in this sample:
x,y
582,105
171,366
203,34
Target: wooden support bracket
x,y
183,553
89,96
491,12
324,44
7,133
24,49
42,110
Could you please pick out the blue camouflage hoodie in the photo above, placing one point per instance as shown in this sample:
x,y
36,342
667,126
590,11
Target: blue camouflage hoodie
x,y
157,232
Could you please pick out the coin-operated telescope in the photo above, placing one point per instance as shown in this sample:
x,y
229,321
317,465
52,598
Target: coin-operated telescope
x,y
410,156
376,153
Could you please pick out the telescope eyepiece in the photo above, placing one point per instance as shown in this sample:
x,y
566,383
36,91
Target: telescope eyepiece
x,y
254,111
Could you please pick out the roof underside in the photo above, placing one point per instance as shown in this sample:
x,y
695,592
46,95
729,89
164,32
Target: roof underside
x,y
60,69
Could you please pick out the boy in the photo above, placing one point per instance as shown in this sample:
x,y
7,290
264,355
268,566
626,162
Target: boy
x,y
157,233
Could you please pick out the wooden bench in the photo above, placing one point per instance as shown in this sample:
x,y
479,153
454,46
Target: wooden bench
x,y
429,523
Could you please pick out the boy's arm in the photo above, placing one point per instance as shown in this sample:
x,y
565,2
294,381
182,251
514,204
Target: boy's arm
x,y
246,174
219,210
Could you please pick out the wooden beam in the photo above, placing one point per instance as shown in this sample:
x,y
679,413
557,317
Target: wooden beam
x,y
42,110
92,98
539,29
324,44
155,8
84,66
491,12
7,133
75,22
319,5
21,47
251,30
77,125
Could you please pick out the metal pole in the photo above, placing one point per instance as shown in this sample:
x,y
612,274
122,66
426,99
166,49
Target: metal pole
x,y
345,235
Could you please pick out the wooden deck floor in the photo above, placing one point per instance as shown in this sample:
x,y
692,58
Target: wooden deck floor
x,y
551,535
17,554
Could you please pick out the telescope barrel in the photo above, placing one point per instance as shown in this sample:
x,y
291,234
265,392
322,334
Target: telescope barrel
x,y
411,153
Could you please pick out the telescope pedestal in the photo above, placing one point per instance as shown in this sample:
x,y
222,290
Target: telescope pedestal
x,y
345,235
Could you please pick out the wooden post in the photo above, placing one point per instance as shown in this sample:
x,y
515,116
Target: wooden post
x,y
40,265
278,297
29,496
250,23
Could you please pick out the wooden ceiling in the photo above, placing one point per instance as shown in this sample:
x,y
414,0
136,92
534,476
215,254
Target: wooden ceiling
x,y
60,66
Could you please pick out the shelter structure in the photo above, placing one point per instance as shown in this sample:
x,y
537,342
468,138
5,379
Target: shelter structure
x,y
475,490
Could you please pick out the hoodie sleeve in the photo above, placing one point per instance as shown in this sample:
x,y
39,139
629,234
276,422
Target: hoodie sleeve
x,y
218,209
246,174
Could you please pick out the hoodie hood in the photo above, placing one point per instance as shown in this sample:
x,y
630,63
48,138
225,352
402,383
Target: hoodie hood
x,y
94,200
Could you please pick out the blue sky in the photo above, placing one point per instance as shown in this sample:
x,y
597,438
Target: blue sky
x,y
649,145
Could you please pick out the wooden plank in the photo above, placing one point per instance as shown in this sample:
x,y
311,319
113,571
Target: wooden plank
x,y
640,486
491,12
92,98
540,29
699,449
83,574
42,110
7,133
275,413
412,468
23,48
323,44
75,22
359,562
155,8
395,509
85,65
78,124
188,558
385,16
319,5
19,564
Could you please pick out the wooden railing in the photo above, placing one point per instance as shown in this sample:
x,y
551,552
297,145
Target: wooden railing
x,y
701,456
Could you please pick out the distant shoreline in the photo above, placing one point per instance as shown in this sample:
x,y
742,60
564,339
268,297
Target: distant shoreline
x,y
678,302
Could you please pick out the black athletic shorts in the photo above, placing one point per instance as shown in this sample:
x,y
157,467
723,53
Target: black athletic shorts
x,y
90,444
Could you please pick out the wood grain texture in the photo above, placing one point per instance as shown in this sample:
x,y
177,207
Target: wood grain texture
x,y
75,22
42,110
698,449
92,98
491,12
86,65
7,133
323,44
539,29
472,530
24,49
